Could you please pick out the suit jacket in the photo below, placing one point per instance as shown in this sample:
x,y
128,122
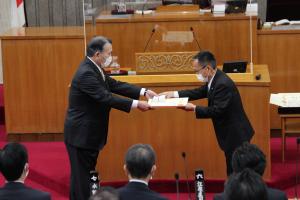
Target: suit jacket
x,y
138,191
17,191
273,194
225,108
90,101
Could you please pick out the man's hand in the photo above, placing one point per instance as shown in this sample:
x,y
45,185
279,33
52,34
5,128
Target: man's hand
x,y
143,106
169,94
150,94
188,107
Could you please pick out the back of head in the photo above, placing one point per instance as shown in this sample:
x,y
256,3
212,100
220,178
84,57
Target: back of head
x,y
96,44
245,185
249,156
13,158
105,193
206,58
139,160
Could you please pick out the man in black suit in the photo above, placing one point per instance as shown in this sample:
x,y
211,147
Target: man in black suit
x,y
14,167
225,107
92,95
250,156
139,167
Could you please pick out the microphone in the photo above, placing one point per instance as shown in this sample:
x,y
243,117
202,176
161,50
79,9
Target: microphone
x,y
199,185
144,7
177,185
187,176
297,161
194,35
152,33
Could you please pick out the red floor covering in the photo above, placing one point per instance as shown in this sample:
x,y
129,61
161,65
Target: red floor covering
x,y
49,170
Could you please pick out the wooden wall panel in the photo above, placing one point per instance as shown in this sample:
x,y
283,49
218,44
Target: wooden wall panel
x,y
280,51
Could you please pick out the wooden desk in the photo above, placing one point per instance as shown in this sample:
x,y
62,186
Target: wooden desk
x,y
287,128
226,36
171,131
280,51
38,64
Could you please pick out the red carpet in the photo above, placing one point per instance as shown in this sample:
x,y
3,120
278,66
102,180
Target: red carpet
x,y
49,171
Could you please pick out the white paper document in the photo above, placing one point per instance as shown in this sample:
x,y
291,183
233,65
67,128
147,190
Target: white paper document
x,y
162,101
285,99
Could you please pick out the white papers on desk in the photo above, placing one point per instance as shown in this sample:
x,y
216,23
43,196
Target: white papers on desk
x,y
219,8
252,8
161,101
285,99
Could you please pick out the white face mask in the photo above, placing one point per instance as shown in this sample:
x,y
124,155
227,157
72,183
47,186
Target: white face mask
x,y
107,61
201,78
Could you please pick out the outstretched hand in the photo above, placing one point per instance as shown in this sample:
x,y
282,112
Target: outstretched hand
x,y
150,94
143,106
188,107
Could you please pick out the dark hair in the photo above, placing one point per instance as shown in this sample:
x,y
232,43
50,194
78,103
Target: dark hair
x,y
205,57
140,159
13,158
246,185
105,193
96,44
249,156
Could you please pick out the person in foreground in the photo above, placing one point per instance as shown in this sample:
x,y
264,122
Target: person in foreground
x,y
15,168
250,156
92,95
225,108
105,193
139,167
245,185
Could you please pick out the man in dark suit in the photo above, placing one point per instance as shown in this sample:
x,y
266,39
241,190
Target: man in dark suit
x,y
14,167
92,95
225,107
250,156
139,167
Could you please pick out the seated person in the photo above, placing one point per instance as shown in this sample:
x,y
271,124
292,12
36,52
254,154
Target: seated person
x,y
105,193
245,185
250,156
14,167
139,167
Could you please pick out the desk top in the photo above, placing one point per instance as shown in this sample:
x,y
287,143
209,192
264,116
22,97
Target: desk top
x,y
242,79
171,16
43,32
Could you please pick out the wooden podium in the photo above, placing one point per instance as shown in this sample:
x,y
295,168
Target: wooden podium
x,y
172,131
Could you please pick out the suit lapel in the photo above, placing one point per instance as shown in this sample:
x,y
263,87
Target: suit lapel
x,y
96,70
210,93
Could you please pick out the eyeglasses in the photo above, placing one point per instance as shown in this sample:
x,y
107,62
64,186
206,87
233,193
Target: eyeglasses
x,y
198,69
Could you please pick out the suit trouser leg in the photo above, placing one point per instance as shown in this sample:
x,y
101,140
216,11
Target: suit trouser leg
x,y
82,161
228,156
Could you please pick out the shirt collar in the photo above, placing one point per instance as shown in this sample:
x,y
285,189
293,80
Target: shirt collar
x,y
99,68
138,180
210,81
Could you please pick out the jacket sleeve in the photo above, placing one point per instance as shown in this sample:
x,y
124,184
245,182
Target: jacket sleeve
x,y
194,94
89,84
124,89
220,102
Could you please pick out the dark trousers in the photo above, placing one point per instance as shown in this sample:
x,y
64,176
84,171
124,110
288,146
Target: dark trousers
x,y
228,156
82,161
